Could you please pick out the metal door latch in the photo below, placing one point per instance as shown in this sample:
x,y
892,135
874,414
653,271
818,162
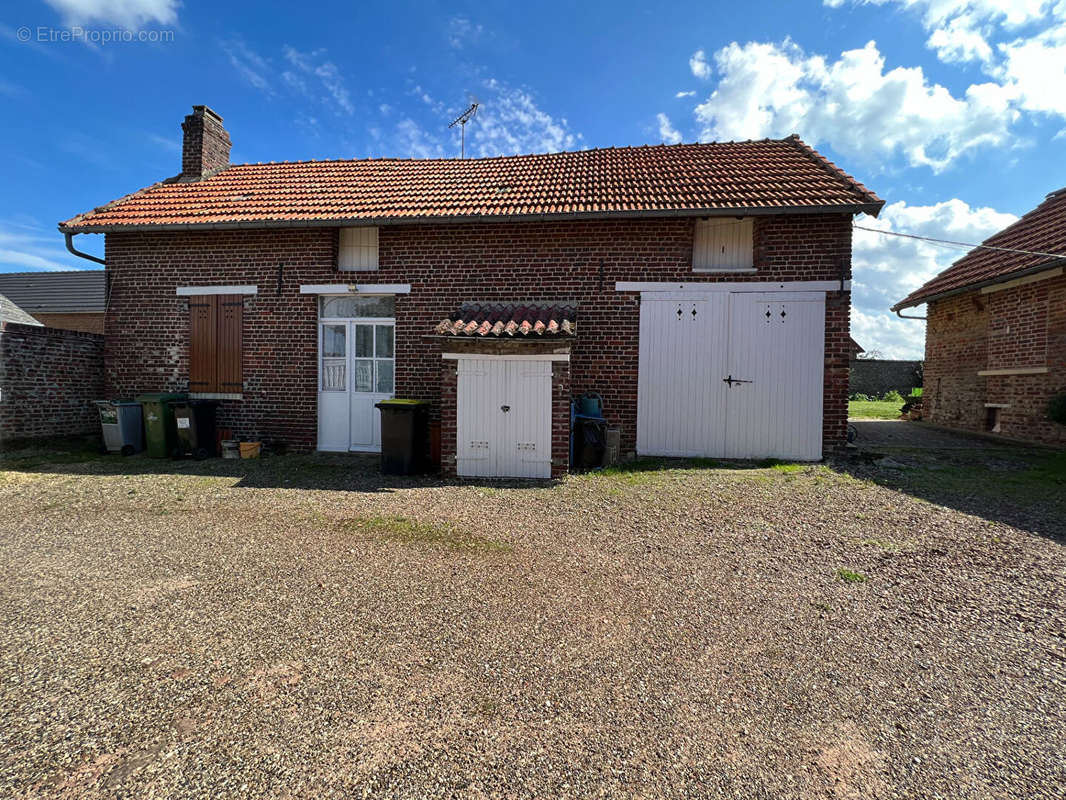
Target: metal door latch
x,y
731,380
505,409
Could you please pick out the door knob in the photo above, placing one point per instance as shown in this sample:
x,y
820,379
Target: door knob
x,y
505,409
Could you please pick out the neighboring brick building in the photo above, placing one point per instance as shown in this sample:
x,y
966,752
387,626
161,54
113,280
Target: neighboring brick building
x,y
73,300
995,347
300,293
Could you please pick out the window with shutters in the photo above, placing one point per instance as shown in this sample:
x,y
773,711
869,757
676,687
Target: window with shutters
x,y
723,244
216,344
358,249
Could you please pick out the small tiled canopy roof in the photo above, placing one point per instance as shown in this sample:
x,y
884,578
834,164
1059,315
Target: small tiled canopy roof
x,y
501,320
757,177
1042,230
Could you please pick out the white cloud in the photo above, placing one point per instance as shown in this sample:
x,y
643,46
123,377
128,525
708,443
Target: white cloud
x,y
410,140
853,103
463,32
961,30
667,131
509,121
251,66
1019,43
169,143
312,64
26,246
1034,69
699,66
885,269
691,93
129,14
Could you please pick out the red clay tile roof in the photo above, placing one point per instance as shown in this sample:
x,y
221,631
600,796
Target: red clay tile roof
x,y
1043,230
767,175
501,319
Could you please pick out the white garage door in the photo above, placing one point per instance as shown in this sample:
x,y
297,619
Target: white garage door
x,y
731,375
504,418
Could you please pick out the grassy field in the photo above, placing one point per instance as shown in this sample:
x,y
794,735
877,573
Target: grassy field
x,y
874,409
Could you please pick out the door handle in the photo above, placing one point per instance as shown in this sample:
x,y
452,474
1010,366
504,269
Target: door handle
x,y
505,409
731,380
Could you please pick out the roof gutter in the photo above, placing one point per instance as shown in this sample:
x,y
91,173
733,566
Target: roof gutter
x,y
1043,266
856,208
70,246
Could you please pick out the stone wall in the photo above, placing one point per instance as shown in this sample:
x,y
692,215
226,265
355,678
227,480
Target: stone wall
x,y
875,377
48,380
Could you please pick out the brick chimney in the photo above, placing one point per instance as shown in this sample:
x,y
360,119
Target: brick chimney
x,y
205,146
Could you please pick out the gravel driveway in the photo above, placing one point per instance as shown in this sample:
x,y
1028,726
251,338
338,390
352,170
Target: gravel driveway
x,y
301,627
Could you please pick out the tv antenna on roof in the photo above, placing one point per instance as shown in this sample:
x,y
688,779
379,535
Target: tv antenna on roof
x,y
461,121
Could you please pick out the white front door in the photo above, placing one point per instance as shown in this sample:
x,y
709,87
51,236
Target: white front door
x,y
503,416
357,369
731,375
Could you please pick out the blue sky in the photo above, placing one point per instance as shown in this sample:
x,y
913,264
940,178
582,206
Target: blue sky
x,y
954,111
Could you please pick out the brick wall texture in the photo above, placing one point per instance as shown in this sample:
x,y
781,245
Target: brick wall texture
x,y
1020,327
48,379
446,265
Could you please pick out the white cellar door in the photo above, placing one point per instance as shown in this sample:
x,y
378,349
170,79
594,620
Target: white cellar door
x,y
525,420
479,389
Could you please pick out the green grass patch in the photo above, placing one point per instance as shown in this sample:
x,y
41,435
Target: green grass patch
x,y
784,467
850,576
1027,478
887,545
42,453
415,532
873,409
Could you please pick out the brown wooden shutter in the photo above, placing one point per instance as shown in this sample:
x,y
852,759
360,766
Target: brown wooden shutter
x,y
203,343
230,343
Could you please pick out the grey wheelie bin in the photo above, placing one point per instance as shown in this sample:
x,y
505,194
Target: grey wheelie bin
x,y
120,422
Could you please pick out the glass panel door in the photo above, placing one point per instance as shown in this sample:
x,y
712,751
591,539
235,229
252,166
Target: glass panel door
x,y
363,368
384,359
335,358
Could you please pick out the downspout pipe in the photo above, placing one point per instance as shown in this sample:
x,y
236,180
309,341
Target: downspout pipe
x,y
901,315
79,253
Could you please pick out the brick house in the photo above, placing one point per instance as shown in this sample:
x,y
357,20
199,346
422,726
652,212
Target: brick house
x,y
995,342
702,290
71,300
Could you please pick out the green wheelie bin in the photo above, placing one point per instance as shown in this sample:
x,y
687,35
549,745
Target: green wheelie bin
x,y
160,432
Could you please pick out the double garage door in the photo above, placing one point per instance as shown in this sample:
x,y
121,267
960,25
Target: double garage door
x,y
731,375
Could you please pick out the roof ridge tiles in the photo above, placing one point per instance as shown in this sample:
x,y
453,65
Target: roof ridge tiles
x,y
828,165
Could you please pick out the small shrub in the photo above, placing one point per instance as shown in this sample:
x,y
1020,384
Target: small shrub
x,y
862,398
1056,409
916,391
892,397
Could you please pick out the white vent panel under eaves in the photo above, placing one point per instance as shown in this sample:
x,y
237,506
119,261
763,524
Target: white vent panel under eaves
x,y
358,249
723,245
